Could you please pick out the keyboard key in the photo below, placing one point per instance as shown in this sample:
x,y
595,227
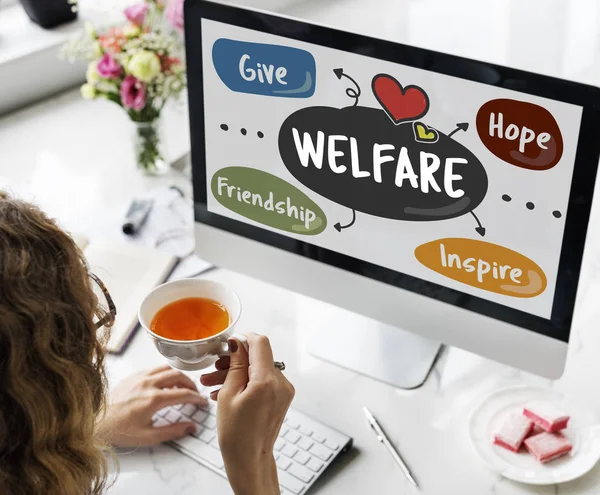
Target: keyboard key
x,y
315,464
318,438
189,409
283,463
300,472
173,416
198,432
210,422
305,443
283,431
289,482
215,444
321,452
331,445
202,450
292,436
276,456
160,422
290,450
177,406
199,416
292,423
302,457
207,436
279,443
163,412
306,431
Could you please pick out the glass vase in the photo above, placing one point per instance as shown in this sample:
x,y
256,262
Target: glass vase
x,y
149,148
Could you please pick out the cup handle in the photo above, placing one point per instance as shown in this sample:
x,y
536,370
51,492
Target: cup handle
x,y
240,337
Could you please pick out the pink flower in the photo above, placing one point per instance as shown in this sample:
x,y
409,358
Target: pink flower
x,y
174,14
108,67
133,93
136,13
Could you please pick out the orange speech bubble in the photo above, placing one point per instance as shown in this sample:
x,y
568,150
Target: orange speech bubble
x,y
484,265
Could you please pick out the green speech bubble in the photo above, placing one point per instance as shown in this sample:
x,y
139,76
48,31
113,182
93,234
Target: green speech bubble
x,y
267,199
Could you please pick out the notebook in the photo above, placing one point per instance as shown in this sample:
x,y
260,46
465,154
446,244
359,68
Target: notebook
x,y
129,273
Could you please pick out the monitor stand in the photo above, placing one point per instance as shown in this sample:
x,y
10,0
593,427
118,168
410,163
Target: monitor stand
x,y
371,348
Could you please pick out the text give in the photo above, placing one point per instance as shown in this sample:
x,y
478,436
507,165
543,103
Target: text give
x,y
263,71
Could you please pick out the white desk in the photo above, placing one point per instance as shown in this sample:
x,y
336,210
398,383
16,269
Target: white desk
x,y
78,179
74,156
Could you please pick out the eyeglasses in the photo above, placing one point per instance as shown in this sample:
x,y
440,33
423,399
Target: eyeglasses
x,y
106,310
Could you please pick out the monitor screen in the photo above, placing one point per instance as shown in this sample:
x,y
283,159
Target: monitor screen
x,y
451,178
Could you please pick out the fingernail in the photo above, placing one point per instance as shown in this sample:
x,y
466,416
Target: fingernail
x,y
233,345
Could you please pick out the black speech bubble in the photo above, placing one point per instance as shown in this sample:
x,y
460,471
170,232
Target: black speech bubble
x,y
385,199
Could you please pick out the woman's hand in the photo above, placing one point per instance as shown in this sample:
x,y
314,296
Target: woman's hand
x,y
133,402
253,402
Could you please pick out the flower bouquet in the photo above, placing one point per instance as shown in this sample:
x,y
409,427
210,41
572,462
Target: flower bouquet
x,y
139,66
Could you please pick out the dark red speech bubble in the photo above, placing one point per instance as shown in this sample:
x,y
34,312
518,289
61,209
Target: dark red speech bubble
x,y
520,133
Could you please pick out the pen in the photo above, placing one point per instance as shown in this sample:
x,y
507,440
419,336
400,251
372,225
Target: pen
x,y
381,436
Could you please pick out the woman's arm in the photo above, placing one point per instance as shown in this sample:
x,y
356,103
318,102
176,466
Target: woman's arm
x,y
253,402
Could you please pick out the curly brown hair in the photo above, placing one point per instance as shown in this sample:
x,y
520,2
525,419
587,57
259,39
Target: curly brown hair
x,y
52,378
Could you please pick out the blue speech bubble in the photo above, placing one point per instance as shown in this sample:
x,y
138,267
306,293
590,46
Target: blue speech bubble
x,y
262,69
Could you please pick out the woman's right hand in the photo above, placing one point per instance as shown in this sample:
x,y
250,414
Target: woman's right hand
x,y
253,402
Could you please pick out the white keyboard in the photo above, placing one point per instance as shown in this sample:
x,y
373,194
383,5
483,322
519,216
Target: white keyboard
x,y
304,449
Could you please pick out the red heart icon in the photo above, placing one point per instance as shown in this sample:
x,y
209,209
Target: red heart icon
x,y
401,104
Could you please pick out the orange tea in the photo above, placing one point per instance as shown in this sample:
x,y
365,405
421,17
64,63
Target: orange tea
x,y
191,318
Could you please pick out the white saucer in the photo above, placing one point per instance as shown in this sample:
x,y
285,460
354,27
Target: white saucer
x,y
583,431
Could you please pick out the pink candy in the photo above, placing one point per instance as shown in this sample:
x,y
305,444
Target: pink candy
x,y
538,428
548,417
546,447
514,430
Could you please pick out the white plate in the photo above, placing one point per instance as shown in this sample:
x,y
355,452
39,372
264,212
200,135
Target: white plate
x,y
583,431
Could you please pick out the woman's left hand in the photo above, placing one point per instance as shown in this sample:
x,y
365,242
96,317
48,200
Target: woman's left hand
x,y
134,401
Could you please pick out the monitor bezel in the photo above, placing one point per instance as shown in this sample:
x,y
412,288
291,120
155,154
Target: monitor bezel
x,y
582,188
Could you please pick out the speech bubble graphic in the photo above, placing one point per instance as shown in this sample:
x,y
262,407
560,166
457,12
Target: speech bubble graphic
x,y
267,199
357,157
520,133
487,266
264,69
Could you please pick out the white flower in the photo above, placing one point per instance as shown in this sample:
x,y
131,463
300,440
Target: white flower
x,y
88,92
107,87
90,30
131,30
144,65
92,74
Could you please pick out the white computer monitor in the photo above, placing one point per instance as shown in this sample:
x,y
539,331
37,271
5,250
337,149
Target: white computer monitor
x,y
438,195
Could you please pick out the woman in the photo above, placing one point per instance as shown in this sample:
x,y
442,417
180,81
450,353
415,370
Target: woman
x,y
55,423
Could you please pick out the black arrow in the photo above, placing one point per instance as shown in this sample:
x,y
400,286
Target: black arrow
x,y
481,229
352,93
339,227
459,127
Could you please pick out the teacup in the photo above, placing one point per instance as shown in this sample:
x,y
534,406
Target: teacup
x,y
191,355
